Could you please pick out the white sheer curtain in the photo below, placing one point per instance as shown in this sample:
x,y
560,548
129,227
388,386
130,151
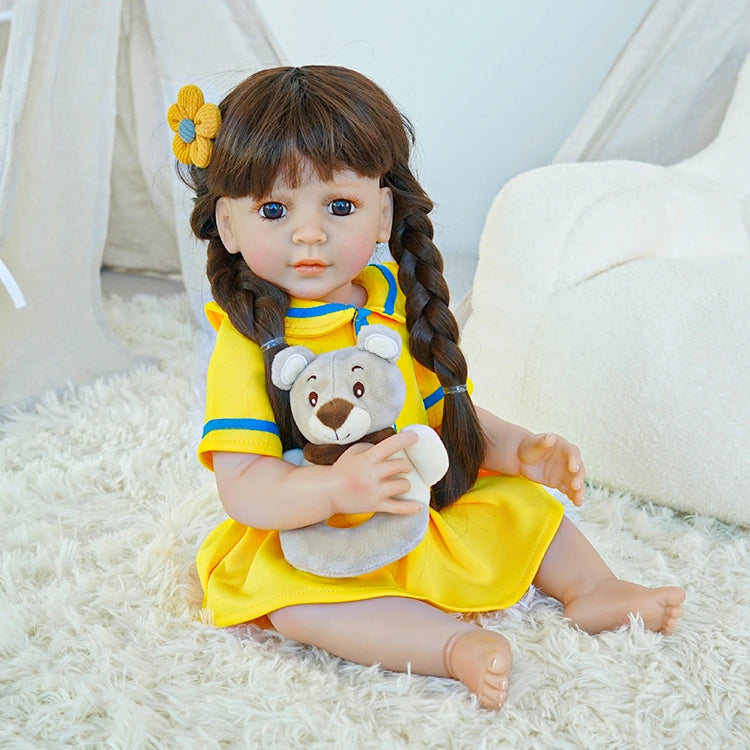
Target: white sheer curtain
x,y
85,163
665,97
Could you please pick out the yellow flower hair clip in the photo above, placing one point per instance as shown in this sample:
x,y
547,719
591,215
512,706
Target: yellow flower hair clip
x,y
195,125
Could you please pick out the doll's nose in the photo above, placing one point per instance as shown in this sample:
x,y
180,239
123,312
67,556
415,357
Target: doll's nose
x,y
308,232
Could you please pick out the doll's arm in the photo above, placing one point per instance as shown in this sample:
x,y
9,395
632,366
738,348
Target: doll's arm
x,y
268,493
546,458
502,441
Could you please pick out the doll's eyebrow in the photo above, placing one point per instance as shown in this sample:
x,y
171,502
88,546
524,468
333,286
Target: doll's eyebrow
x,y
312,377
357,367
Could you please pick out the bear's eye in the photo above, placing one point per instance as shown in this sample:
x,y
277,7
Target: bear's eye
x,y
313,398
359,390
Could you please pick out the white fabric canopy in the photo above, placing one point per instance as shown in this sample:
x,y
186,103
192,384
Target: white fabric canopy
x,y
667,94
86,162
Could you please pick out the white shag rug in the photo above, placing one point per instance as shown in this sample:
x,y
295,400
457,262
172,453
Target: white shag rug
x,y
102,643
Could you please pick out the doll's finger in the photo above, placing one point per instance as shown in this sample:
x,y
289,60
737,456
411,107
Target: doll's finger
x,y
577,486
394,466
576,496
395,486
393,444
576,480
574,459
534,447
379,451
401,507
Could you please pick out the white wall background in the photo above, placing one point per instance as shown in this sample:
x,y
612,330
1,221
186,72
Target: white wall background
x,y
492,87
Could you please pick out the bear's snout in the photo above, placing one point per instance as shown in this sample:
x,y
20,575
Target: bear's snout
x,y
334,413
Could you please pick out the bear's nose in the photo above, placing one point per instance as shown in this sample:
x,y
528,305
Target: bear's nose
x,y
334,413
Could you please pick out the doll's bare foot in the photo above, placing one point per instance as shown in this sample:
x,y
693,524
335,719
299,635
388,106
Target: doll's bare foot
x,y
609,604
481,660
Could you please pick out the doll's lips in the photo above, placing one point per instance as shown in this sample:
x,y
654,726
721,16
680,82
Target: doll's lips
x,y
310,267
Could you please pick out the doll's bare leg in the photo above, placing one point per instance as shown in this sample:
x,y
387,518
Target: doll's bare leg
x,y
594,598
397,632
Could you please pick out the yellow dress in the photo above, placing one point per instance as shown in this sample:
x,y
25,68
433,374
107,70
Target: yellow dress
x,y
480,554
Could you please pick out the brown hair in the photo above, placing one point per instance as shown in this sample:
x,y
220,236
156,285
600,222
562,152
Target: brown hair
x,y
335,119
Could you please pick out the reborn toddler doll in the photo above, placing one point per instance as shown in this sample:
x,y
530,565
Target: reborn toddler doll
x,y
297,175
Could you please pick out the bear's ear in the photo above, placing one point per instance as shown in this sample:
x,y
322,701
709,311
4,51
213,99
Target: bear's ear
x,y
381,341
288,364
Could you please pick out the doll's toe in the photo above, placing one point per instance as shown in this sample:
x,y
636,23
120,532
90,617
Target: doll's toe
x,y
494,692
481,660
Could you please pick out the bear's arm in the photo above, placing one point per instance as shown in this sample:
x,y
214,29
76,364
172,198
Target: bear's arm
x,y
428,455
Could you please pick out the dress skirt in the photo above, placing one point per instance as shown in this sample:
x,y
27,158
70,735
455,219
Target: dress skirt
x,y
480,554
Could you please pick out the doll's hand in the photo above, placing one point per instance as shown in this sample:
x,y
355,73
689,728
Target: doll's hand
x,y
551,460
367,478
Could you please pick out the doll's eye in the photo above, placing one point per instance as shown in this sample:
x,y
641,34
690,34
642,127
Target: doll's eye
x,y
341,207
359,389
272,210
313,398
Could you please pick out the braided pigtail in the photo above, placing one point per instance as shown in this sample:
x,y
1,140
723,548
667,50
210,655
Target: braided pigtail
x,y
433,331
255,307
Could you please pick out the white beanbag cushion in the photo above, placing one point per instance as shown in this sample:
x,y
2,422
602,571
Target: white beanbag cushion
x,y
611,304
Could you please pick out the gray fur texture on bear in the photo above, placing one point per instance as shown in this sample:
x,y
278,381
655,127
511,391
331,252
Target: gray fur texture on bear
x,y
338,398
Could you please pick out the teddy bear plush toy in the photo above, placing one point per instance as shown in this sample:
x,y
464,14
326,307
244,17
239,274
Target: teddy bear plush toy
x,y
342,397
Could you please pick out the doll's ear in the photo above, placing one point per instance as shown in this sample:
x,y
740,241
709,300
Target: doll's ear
x,y
288,364
386,215
225,225
380,340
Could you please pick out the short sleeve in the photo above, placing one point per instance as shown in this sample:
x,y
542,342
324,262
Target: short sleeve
x,y
239,417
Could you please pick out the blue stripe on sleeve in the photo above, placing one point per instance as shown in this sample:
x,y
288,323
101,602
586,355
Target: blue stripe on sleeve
x,y
433,398
260,425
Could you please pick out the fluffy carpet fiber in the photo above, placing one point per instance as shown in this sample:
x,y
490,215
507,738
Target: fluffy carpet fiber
x,y
102,642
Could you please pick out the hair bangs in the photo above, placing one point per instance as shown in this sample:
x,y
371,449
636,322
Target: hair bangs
x,y
301,120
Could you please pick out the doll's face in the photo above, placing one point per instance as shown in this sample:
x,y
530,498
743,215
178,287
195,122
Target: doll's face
x,y
312,240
